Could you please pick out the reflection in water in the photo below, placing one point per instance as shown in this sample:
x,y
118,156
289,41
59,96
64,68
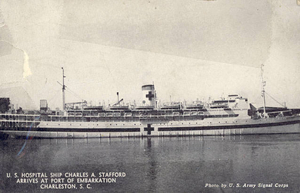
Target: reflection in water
x,y
151,167
184,164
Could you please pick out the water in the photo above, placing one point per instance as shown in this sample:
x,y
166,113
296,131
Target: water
x,y
183,164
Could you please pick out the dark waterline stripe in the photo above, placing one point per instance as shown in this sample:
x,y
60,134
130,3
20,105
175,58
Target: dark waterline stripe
x,y
228,126
89,129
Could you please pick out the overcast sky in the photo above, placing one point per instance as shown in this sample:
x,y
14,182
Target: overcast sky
x,y
189,49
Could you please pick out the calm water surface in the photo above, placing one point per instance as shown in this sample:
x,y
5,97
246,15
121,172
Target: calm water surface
x,y
185,164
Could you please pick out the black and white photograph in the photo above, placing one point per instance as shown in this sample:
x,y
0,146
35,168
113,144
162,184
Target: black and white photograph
x,y
149,96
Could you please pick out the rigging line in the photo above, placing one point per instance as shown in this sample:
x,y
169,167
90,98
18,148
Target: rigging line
x,y
55,95
274,99
76,95
69,90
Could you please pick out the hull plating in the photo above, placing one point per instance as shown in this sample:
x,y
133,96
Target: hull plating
x,y
282,125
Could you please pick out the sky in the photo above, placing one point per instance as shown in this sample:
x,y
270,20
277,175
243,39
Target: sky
x,y
189,49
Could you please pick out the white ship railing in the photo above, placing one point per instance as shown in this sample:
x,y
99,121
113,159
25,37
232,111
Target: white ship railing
x,y
90,118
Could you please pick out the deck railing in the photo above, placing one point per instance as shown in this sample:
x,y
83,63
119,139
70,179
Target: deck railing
x,y
124,118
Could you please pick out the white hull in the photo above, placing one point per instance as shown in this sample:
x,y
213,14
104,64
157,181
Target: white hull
x,y
291,129
212,127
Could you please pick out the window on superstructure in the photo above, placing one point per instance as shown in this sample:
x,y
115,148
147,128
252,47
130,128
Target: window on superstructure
x,y
64,119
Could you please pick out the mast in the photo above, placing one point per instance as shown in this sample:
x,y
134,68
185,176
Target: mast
x,y
118,100
263,87
63,88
